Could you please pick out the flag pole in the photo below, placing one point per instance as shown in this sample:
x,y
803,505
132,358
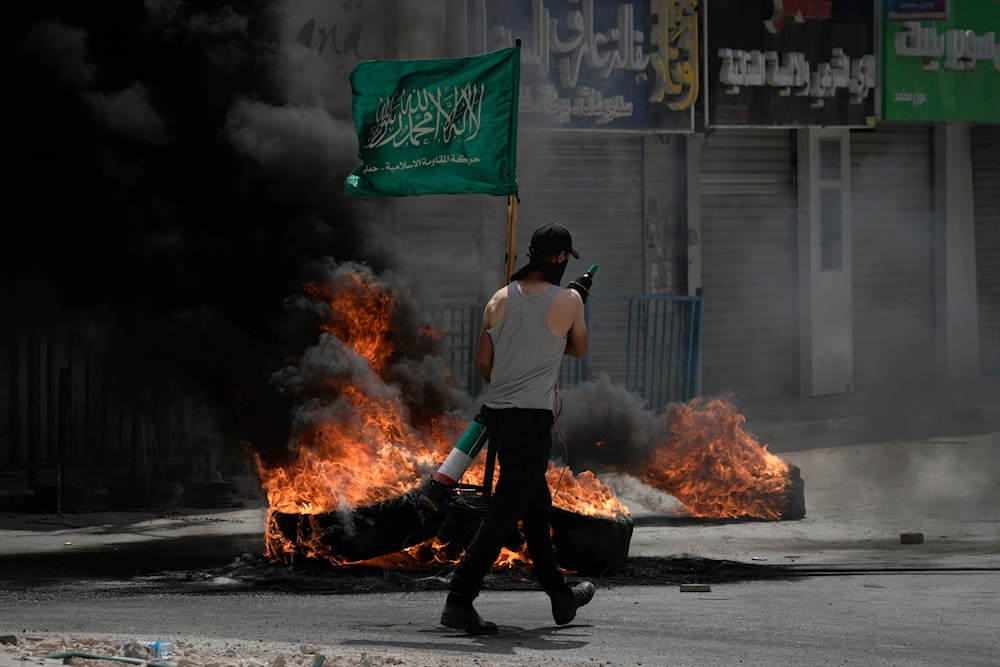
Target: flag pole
x,y
511,237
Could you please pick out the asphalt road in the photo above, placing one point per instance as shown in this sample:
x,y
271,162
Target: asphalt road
x,y
837,587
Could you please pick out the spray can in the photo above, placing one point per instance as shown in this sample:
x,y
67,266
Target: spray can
x,y
584,282
461,457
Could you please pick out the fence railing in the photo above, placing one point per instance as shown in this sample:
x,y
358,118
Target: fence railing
x,y
649,343
60,407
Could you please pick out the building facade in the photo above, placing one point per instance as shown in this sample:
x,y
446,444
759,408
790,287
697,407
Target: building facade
x,y
840,241
825,175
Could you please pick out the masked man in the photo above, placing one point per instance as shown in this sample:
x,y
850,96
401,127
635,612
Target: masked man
x,y
527,328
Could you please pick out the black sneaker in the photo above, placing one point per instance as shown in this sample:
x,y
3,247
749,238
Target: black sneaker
x,y
566,600
465,617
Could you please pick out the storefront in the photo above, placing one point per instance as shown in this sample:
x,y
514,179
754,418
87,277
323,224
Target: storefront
x,y
892,210
986,194
748,253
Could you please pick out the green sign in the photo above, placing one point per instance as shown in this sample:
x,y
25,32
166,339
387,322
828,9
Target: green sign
x,y
444,126
945,70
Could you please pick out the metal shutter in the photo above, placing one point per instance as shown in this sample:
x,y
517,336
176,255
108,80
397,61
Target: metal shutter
x,y
451,246
749,264
450,249
592,184
892,254
986,193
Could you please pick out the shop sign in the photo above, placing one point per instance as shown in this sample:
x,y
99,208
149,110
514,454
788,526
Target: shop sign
x,y
947,70
600,65
793,63
909,10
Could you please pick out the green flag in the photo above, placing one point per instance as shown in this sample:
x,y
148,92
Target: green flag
x,y
444,126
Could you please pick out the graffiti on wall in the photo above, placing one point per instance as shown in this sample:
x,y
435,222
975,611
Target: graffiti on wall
x,y
341,34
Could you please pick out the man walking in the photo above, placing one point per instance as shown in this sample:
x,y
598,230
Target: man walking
x,y
528,326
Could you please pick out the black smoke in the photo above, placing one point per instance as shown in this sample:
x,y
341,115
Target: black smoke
x,y
162,195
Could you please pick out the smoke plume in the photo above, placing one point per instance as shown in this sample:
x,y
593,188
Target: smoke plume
x,y
165,195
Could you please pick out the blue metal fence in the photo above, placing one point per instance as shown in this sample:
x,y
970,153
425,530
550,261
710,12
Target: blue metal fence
x,y
649,343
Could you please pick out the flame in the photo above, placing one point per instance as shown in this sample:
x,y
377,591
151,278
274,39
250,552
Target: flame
x,y
583,494
360,314
354,441
714,467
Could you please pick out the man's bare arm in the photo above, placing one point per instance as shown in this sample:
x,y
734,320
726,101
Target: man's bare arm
x,y
577,339
484,355
491,315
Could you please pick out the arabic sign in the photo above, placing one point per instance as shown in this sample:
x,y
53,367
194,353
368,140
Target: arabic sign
x,y
908,10
944,70
603,65
444,126
794,63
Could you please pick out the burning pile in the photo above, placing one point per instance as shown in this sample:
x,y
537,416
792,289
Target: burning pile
x,y
365,439
361,441
355,443
718,470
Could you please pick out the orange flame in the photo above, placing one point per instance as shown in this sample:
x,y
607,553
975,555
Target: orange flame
x,y
354,441
714,467
361,315
583,494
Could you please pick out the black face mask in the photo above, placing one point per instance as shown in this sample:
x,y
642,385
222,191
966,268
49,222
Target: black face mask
x,y
551,271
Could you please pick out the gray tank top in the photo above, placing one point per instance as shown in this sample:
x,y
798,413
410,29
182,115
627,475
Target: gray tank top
x,y
526,355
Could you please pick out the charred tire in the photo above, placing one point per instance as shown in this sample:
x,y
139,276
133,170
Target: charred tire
x,y
591,545
795,495
584,545
463,515
367,532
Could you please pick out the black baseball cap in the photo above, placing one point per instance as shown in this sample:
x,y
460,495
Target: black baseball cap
x,y
552,239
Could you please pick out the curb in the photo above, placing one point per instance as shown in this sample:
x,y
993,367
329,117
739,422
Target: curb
x,y
857,429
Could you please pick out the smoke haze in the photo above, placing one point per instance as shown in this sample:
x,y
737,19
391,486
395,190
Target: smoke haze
x,y
165,193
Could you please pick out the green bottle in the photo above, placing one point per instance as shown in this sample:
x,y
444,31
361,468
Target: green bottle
x,y
583,283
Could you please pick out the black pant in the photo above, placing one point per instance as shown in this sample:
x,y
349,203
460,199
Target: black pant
x,y
522,440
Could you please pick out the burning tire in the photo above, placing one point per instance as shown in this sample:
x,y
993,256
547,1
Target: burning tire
x,y
365,533
795,506
584,545
590,545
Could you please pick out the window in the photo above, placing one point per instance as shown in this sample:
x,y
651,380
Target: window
x,y
831,231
